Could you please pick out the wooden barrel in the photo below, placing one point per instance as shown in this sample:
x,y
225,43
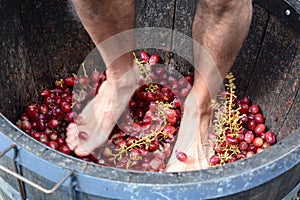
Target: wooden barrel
x,y
43,41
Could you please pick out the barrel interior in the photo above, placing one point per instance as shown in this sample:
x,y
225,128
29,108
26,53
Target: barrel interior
x,y
43,41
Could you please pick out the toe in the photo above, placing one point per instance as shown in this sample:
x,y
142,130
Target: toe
x,y
71,142
71,129
81,151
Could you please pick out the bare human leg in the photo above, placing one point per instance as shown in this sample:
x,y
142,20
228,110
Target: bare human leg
x,y
102,20
220,27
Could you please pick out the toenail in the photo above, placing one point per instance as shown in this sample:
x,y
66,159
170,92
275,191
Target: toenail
x,y
71,147
80,151
82,135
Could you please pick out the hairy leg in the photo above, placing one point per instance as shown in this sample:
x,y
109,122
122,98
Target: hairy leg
x,y
220,27
103,20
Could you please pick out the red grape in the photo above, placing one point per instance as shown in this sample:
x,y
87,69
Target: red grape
x,y
254,109
61,141
53,123
245,100
48,100
243,146
249,154
26,125
259,129
244,108
258,142
181,156
240,137
150,96
249,137
270,137
69,81
53,145
43,108
45,93
258,150
53,136
154,58
43,138
36,135
251,125
139,114
184,92
65,149
215,160
177,102
65,107
24,117
95,76
231,140
84,80
70,116
152,146
182,82
144,56
57,100
144,153
170,130
266,145
132,104
259,118
190,79
147,120
57,112
31,110
134,154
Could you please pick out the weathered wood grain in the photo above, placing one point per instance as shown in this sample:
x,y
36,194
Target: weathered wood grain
x,y
269,82
244,65
152,13
41,41
183,20
288,107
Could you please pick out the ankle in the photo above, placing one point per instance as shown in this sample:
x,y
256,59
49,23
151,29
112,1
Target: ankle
x,y
125,78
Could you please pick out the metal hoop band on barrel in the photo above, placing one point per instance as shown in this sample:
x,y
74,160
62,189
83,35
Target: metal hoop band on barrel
x,y
19,177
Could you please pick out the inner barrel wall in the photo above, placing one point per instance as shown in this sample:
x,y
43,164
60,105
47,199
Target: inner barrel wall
x,y
43,41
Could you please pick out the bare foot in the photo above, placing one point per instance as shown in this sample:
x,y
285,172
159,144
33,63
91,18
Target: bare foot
x,y
220,27
103,20
192,137
100,115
